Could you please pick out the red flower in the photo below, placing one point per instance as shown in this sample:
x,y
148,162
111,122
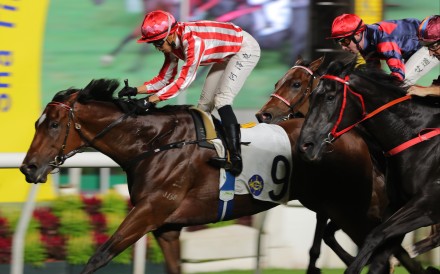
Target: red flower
x,y
98,222
54,245
100,238
4,228
5,250
91,204
48,221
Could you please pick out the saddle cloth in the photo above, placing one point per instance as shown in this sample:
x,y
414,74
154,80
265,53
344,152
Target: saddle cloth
x,y
267,164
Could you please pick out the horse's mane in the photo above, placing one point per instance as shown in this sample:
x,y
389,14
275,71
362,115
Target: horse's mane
x,y
103,90
98,90
62,96
371,73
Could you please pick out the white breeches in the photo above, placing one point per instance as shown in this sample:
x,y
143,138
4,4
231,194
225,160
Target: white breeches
x,y
225,79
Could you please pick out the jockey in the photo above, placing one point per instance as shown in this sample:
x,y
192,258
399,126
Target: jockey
x,y
394,41
233,54
429,37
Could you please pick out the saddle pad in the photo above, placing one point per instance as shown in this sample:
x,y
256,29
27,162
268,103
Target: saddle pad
x,y
267,163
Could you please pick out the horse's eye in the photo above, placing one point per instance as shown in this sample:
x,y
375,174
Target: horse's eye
x,y
54,125
330,97
296,85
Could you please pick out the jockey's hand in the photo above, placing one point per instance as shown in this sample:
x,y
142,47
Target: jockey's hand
x,y
127,91
143,105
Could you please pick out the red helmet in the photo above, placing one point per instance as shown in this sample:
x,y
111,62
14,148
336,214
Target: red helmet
x,y
429,29
157,25
346,25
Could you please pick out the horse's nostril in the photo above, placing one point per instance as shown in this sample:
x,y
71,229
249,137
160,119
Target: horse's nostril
x,y
27,169
306,145
266,117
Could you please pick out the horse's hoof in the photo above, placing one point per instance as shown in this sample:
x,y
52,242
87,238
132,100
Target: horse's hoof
x,y
432,270
313,270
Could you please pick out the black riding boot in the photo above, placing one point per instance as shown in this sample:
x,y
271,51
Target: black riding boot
x,y
234,164
232,136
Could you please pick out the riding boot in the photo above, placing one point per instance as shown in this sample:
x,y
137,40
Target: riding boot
x,y
233,163
233,137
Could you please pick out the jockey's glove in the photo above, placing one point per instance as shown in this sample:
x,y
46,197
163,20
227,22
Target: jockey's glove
x,y
127,91
143,105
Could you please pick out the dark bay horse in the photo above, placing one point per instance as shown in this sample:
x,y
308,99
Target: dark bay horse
x,y
289,100
170,183
347,95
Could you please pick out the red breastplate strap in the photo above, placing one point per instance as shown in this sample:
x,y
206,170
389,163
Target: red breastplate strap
x,y
420,138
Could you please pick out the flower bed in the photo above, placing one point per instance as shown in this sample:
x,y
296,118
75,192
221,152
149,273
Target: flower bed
x,y
70,229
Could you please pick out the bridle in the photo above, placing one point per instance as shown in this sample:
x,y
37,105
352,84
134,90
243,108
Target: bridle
x,y
62,157
334,133
303,96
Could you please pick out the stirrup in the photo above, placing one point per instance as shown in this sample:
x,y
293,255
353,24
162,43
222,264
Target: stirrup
x,y
220,162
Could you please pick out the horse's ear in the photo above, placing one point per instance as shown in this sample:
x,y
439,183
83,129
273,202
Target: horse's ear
x,y
299,60
317,63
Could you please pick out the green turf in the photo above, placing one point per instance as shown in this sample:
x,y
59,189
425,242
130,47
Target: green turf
x,y
399,270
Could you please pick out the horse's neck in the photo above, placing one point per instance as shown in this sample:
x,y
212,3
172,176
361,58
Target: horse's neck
x,y
122,136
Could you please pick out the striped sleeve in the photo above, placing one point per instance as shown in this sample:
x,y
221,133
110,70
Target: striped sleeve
x,y
195,48
393,55
166,75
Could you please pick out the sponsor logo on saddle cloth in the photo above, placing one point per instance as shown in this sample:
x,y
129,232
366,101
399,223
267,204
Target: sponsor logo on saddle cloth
x,y
267,164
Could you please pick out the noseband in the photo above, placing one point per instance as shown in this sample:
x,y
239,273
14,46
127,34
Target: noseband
x,y
293,113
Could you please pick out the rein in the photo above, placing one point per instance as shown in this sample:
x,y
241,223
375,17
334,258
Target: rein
x,y
334,134
303,96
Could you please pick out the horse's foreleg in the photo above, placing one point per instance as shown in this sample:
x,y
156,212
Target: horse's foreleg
x,y
169,242
409,218
430,242
135,225
330,240
315,250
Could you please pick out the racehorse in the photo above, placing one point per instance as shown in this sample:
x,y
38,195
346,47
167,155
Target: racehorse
x,y
290,100
170,183
405,127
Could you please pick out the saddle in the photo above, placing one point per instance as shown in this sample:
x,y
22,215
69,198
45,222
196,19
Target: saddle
x,y
207,127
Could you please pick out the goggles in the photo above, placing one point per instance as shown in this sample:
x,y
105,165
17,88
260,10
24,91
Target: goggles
x,y
344,41
158,43
432,46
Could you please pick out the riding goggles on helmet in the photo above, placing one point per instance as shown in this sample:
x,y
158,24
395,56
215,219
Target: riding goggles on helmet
x,y
433,46
346,40
158,43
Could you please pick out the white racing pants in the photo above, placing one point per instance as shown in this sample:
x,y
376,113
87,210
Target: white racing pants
x,y
225,79
419,64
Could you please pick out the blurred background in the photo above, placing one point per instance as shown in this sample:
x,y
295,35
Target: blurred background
x,y
55,45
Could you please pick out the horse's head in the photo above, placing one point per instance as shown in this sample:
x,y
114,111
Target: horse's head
x,y
53,137
329,111
290,96
57,135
